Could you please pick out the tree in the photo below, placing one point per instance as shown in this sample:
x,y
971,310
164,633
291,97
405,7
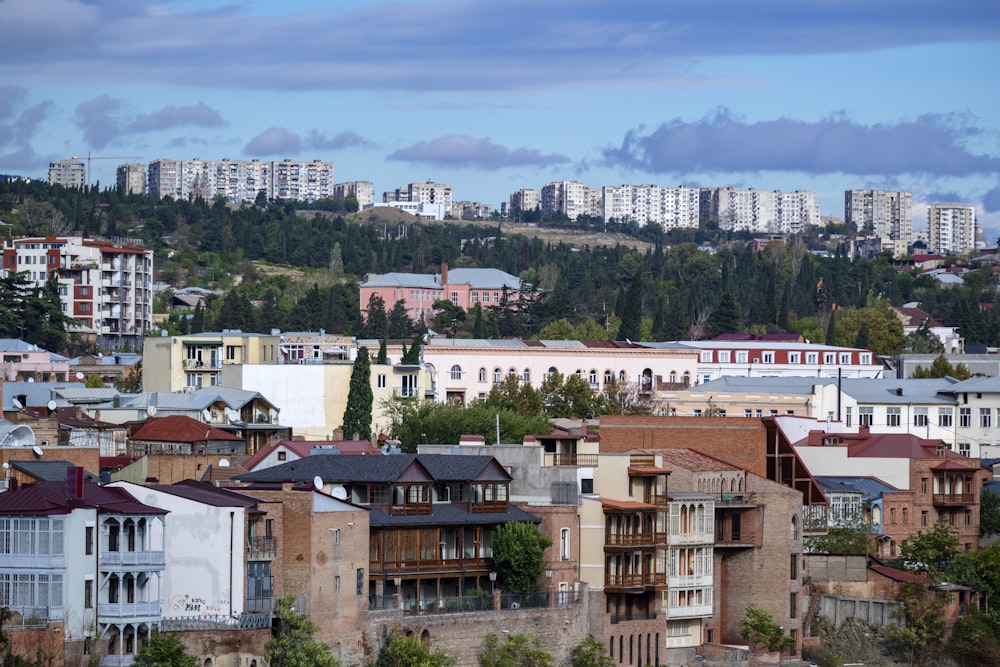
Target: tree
x,y
383,353
292,644
846,538
726,316
989,513
940,368
93,381
932,550
759,628
400,325
165,650
884,328
402,651
519,555
376,320
358,413
590,653
516,650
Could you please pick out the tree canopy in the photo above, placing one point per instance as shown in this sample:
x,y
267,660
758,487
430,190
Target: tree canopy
x,y
519,555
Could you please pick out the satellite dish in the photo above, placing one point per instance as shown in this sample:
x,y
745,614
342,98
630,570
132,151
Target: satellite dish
x,y
16,403
318,483
37,450
223,463
340,493
151,410
206,414
51,405
233,415
31,379
6,466
80,375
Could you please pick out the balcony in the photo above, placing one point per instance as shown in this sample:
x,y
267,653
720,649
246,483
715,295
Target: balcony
x,y
954,499
145,559
259,548
125,660
690,611
41,561
690,581
647,539
574,459
110,611
621,582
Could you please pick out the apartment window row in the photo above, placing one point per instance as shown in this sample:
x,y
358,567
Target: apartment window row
x,y
31,536
31,590
768,357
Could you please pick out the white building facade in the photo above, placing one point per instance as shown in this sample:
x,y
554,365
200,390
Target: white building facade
x,y
241,181
952,228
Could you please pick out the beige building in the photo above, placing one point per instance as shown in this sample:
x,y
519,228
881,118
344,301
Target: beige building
x,y
131,178
569,198
187,363
952,228
68,173
363,191
888,215
668,207
523,200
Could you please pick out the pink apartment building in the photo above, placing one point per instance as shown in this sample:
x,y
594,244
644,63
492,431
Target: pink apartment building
x,y
463,287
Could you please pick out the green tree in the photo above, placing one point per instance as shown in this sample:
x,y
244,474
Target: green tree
x,y
759,628
726,316
93,381
358,413
940,368
933,550
989,513
403,651
519,555
165,650
292,643
847,538
516,650
399,325
590,653
884,328
376,323
383,352
561,329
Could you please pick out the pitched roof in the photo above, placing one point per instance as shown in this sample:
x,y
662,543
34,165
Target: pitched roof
x,y
894,573
49,471
179,428
374,469
689,459
45,498
207,494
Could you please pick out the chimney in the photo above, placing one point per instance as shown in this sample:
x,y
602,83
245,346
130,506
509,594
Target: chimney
x,y
864,431
338,434
444,274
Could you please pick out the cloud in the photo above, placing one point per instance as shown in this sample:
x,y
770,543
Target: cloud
x,y
991,200
460,150
168,117
345,139
105,118
274,141
721,142
449,44
18,121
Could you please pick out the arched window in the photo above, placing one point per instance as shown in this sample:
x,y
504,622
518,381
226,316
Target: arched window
x,y
593,377
621,376
511,372
687,378
496,376
482,375
608,377
527,375
552,371
673,377
456,372
794,532
579,373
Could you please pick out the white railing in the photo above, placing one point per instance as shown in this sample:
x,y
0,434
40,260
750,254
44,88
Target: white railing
x,y
108,610
127,558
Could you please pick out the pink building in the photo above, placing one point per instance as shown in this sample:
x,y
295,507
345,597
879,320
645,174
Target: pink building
x,y
23,361
463,287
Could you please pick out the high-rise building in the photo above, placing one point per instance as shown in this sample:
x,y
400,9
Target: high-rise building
x,y
888,215
668,207
523,200
569,198
241,181
68,173
131,178
362,191
421,193
106,286
762,211
952,228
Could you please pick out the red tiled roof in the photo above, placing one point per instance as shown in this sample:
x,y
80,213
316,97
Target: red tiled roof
x,y
179,428
897,445
895,574
45,498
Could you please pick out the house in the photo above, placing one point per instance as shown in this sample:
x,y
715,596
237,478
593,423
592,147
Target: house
x,y
86,563
292,450
913,319
25,361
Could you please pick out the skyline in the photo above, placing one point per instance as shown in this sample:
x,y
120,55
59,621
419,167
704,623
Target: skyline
x,y
790,95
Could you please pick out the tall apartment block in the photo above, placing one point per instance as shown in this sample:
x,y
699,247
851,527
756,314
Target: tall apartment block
x,y
241,181
106,286
421,193
68,173
888,215
570,198
952,228
131,178
524,200
363,191
762,211
664,206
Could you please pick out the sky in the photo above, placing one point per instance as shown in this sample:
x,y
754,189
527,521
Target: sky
x,y
492,96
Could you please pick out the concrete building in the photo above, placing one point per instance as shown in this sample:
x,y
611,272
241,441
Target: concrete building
x,y
131,178
23,361
362,191
952,228
241,181
667,207
761,211
885,214
569,198
190,362
68,173
913,319
104,285
422,210
523,200
421,193
464,370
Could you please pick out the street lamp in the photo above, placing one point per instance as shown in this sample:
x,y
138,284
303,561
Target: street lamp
x,y
493,581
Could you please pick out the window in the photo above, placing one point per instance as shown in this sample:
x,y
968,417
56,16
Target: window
x,y
965,448
906,515
454,298
795,357
865,358
847,416
706,357
866,415
985,420
845,357
482,375
812,357
381,381
258,586
336,535
88,594
964,417
336,584
920,416
944,417
282,456
456,372
741,356
793,570
608,378
767,357
552,371
893,416
923,517
526,376
724,356
475,297
828,357
360,587
497,375
593,377
587,485
89,540
923,485
793,605
564,544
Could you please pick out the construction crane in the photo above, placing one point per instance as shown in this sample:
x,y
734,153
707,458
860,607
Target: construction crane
x,y
105,157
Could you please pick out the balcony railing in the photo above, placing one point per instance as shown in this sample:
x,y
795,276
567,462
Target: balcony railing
x,y
39,561
658,499
574,459
690,580
638,580
489,506
954,499
127,610
690,611
262,547
132,558
125,660
635,539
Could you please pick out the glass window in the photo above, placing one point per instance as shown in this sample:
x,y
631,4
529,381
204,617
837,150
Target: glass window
x,y
920,416
866,415
724,356
965,417
482,375
985,418
893,416
456,372
944,417
741,356
497,376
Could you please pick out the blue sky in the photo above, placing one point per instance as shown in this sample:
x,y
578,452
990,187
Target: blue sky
x,y
820,95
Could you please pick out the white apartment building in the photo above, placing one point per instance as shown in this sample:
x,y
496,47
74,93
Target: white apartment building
x,y
241,181
131,178
569,198
762,211
104,285
524,200
421,193
889,215
68,173
362,191
952,228
668,207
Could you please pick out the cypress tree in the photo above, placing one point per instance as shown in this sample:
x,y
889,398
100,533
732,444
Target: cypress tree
x,y
358,414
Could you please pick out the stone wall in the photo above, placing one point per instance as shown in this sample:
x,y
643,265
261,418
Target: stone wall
x,y
837,610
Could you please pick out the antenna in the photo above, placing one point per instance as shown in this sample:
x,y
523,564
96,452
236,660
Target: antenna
x,y
223,463
151,410
17,404
318,483
80,375
37,450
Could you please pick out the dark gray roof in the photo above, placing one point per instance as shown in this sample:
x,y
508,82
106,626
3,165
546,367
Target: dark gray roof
x,y
363,469
448,514
870,487
49,471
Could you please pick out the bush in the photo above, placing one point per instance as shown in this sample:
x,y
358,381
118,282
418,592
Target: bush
x,y
821,655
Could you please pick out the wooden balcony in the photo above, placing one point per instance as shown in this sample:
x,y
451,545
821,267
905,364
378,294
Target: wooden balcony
x,y
410,509
441,565
642,539
489,506
954,499
574,459
634,582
